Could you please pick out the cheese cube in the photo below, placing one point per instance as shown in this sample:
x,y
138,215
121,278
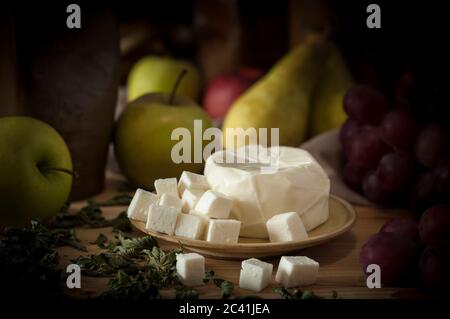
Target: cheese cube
x,y
190,226
286,227
167,199
224,231
190,199
255,274
162,219
294,271
191,269
214,204
140,204
190,180
166,185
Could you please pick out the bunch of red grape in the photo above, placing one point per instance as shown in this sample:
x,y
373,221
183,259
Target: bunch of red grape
x,y
409,252
397,149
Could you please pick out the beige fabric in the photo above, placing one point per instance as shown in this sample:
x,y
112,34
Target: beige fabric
x,y
327,150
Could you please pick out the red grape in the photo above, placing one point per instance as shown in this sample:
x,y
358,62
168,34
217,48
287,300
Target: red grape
x,y
398,129
405,227
437,104
396,171
434,266
365,104
431,144
353,176
348,131
434,225
424,194
396,255
442,177
366,148
373,191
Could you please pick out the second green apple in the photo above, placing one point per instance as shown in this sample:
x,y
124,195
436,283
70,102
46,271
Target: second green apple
x,y
143,143
158,74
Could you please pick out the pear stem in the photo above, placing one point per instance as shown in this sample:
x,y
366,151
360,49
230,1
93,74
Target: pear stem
x,y
63,170
175,87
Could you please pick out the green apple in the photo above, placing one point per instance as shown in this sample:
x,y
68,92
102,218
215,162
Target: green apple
x,y
35,170
153,74
142,138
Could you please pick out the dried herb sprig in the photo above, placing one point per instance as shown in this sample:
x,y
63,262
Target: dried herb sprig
x,y
125,254
295,294
91,215
158,271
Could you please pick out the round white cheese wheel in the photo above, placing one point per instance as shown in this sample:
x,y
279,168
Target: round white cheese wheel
x,y
264,182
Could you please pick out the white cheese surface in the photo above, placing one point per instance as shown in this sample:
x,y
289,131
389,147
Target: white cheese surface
x,y
166,185
297,271
162,219
189,180
140,204
190,198
191,269
190,226
214,204
168,199
255,274
286,227
294,182
223,231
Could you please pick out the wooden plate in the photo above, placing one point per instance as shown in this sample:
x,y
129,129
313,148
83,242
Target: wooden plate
x,y
342,218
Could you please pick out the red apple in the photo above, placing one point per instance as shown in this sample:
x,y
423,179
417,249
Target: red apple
x,y
227,87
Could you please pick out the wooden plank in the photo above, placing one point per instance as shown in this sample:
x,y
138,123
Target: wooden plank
x,y
339,266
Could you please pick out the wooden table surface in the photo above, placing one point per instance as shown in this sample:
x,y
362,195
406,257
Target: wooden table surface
x,y
339,266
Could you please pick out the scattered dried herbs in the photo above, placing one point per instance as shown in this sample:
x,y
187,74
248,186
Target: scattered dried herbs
x,y
186,293
90,216
28,261
125,254
101,241
295,294
226,287
157,270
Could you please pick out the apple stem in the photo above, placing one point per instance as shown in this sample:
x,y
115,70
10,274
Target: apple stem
x,y
63,170
175,87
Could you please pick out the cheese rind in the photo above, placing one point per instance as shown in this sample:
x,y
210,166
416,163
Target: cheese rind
x,y
191,269
190,198
296,184
190,226
189,180
170,200
162,219
255,274
316,215
223,231
214,204
295,271
140,204
167,185
286,227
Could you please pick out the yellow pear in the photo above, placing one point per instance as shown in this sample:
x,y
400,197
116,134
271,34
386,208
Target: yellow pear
x,y
282,98
327,111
